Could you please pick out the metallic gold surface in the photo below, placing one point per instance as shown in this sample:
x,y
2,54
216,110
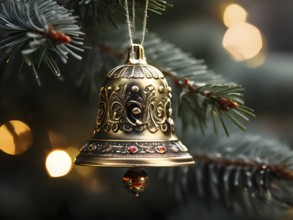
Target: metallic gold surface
x,y
134,125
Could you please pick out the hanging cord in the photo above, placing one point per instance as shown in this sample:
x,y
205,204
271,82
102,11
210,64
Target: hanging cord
x,y
130,30
144,21
131,27
133,17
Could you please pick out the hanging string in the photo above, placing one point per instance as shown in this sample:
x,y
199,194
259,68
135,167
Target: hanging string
x,y
144,21
133,17
128,22
131,27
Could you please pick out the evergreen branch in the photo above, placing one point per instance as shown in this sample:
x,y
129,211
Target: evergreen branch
x,y
218,101
204,94
256,173
109,13
39,30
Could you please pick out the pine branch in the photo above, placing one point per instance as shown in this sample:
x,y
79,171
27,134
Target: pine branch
x,y
109,13
39,30
204,94
248,172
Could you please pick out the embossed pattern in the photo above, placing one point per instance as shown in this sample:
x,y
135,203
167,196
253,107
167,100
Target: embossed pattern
x,y
135,107
135,71
135,148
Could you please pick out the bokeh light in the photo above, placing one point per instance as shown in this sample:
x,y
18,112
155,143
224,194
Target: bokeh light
x,y
234,14
58,163
15,137
243,41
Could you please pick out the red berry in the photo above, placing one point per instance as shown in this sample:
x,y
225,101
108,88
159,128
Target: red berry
x,y
225,107
186,81
67,39
59,37
228,101
54,35
222,101
233,105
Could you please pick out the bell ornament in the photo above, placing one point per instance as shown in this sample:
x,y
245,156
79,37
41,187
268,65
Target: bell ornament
x,y
134,125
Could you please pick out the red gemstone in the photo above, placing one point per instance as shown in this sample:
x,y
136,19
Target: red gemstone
x,y
132,149
161,149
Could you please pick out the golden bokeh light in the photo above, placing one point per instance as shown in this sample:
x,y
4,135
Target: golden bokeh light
x,y
58,163
243,41
234,14
15,137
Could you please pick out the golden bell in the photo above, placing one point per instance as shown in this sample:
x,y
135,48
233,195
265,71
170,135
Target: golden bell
x,y
134,126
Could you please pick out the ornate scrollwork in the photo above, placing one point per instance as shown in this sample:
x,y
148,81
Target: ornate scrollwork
x,y
129,107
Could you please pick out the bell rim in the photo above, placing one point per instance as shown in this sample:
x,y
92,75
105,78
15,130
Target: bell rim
x,y
114,153
173,139
188,160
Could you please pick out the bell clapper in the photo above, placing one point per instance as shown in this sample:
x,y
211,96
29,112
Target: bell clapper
x,y
135,181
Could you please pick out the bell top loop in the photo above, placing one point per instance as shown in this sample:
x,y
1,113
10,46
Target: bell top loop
x,y
136,55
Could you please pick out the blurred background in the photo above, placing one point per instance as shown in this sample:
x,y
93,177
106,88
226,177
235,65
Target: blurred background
x,y
43,128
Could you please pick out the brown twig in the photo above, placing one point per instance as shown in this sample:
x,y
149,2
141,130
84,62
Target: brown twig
x,y
281,170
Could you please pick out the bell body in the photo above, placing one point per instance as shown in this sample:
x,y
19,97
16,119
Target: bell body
x,y
134,126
